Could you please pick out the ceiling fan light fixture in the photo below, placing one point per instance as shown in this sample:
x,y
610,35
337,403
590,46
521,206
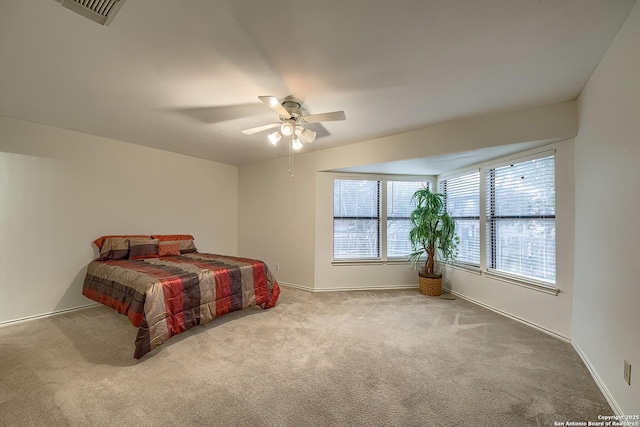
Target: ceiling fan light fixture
x,y
288,127
274,137
308,134
296,144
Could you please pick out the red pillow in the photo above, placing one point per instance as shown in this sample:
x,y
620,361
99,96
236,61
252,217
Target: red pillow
x,y
169,248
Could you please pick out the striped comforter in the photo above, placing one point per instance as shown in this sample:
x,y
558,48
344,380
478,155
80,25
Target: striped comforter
x,y
166,296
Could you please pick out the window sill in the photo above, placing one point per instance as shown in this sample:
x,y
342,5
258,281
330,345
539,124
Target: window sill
x,y
358,262
371,262
464,267
523,283
397,261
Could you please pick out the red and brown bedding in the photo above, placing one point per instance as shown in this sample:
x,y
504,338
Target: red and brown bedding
x,y
166,295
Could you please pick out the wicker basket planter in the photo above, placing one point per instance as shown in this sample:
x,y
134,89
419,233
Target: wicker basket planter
x,y
430,284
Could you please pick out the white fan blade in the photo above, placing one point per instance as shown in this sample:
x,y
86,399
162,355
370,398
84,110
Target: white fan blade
x,y
324,117
257,129
273,103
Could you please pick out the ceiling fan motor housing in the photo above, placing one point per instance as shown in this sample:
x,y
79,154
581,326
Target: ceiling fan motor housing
x,y
292,105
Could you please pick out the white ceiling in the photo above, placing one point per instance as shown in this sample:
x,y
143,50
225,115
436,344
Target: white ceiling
x,y
184,76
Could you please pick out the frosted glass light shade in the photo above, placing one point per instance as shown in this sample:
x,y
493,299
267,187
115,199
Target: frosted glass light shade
x,y
274,137
288,127
309,135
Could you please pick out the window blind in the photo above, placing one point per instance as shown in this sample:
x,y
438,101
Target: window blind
x,y
521,226
399,208
462,202
356,219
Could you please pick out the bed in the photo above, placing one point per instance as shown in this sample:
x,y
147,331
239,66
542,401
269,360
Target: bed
x,y
165,293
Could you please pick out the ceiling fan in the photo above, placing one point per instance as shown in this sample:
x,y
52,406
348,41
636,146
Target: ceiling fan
x,y
291,121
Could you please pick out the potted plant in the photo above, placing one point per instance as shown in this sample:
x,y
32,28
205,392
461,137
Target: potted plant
x,y
432,233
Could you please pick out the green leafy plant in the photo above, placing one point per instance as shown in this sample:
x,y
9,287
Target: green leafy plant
x,y
432,232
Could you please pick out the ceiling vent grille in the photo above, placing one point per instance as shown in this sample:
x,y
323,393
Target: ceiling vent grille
x,y
100,11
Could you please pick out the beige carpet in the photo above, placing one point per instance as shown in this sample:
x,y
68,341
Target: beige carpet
x,y
382,358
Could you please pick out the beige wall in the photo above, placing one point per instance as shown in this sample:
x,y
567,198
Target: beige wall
x,y
60,190
276,217
606,312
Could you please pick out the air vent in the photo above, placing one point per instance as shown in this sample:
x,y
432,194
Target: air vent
x,y
100,11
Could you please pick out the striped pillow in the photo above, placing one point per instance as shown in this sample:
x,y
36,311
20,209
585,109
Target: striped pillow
x,y
100,240
187,246
114,248
143,248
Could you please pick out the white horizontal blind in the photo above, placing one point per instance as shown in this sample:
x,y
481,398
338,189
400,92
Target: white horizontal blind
x,y
399,208
356,219
462,201
521,225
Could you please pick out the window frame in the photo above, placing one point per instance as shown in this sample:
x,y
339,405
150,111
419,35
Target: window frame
x,y
490,233
382,229
388,258
442,180
377,218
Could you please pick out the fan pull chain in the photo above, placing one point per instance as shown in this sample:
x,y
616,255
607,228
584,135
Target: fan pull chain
x,y
290,157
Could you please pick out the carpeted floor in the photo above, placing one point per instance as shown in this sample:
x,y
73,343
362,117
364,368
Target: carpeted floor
x,y
381,358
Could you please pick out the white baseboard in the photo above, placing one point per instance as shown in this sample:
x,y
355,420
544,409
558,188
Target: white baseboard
x,y
361,288
509,315
49,314
366,288
294,285
601,385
